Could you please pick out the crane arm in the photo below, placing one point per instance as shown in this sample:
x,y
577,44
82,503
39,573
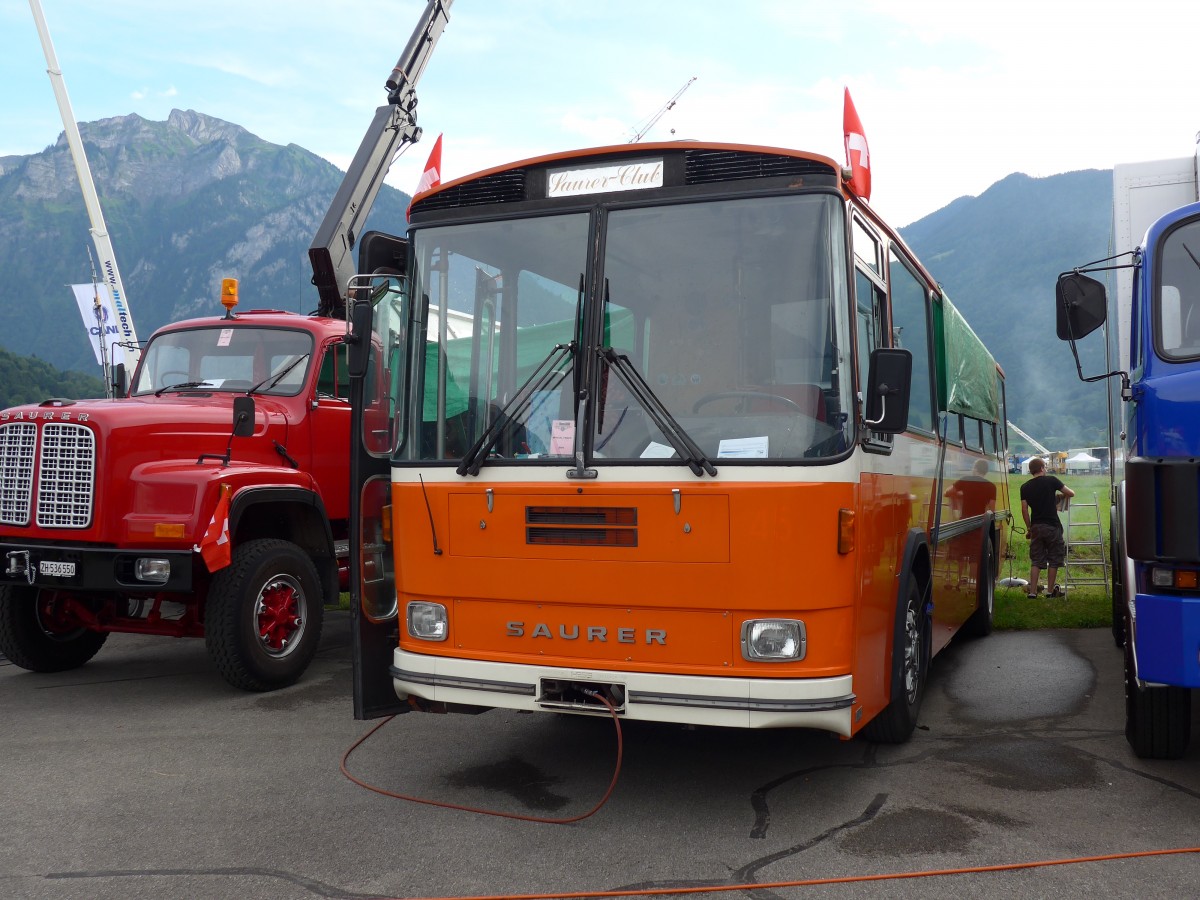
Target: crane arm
x,y
1036,446
663,110
392,129
111,275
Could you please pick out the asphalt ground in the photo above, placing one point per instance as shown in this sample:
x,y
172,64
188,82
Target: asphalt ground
x,y
144,775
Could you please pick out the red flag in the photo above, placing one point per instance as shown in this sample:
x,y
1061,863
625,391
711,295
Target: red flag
x,y
857,156
432,176
214,546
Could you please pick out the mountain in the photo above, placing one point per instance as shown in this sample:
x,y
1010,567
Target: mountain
x,y
194,199
27,379
998,256
187,202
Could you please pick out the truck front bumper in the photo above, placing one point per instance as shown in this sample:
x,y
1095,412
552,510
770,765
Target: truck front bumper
x,y
91,569
1167,639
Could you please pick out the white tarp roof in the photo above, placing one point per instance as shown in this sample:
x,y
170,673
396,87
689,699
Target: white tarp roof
x,y
1083,457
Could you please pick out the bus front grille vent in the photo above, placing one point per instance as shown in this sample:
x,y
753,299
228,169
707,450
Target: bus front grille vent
x,y
586,526
503,187
707,166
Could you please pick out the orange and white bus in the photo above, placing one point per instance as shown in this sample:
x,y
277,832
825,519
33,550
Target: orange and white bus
x,y
683,429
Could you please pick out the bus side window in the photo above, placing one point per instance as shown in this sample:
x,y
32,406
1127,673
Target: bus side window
x,y
910,330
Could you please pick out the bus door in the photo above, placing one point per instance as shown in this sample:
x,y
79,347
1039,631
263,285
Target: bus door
x,y
379,316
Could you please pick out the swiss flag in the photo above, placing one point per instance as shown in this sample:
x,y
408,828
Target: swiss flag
x,y
432,176
857,156
214,546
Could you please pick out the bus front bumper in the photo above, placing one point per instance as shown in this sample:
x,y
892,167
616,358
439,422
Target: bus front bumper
x,y
821,703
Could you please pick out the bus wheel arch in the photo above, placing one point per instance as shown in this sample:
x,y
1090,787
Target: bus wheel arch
x,y
912,646
980,622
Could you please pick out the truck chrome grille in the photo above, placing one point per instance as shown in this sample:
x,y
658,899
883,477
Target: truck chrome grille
x,y
66,474
17,443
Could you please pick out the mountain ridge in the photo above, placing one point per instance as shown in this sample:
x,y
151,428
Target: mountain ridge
x,y
193,199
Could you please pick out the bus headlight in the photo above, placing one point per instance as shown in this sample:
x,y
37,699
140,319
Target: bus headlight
x,y
773,639
427,621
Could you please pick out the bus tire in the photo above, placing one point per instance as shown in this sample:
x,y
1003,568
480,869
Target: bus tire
x,y
264,614
31,639
1158,720
980,622
910,663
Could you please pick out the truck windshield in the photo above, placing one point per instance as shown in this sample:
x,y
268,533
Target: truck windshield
x,y
731,315
225,359
1179,293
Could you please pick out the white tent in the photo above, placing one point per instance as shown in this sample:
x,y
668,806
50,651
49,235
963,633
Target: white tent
x,y
1082,462
1025,464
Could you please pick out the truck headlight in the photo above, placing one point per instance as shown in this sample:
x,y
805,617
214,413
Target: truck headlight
x,y
154,571
773,639
427,621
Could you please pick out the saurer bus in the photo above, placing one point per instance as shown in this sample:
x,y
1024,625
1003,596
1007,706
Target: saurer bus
x,y
680,431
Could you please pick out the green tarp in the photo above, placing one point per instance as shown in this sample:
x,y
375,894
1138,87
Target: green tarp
x,y
966,370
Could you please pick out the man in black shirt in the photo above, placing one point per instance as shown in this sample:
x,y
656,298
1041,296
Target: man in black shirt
x,y
1039,508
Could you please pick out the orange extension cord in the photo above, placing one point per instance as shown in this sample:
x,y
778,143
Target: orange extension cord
x,y
809,882
710,889
491,812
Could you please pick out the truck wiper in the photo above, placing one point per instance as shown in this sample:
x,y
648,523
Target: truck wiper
x,y
538,380
271,380
687,448
182,386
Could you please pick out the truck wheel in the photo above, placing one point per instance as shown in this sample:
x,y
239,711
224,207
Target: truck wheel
x,y
909,665
980,622
1158,720
264,614
34,638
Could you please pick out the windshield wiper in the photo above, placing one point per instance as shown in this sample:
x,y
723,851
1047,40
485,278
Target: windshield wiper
x,y
687,448
182,386
271,380
538,380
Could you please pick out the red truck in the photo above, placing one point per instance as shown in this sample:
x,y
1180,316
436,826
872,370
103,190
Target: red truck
x,y
211,497
105,504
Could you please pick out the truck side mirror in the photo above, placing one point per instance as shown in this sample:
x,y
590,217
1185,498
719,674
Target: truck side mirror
x,y
359,340
1081,306
120,382
888,384
243,416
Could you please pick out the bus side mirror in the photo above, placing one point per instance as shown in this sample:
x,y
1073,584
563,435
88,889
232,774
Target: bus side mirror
x,y
888,385
1081,306
359,340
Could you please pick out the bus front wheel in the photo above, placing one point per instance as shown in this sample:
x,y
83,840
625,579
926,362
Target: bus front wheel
x,y
910,663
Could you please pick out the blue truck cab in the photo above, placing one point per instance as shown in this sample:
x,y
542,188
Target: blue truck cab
x,y
1153,366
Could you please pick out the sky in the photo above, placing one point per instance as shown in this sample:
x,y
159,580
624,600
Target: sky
x,y
953,96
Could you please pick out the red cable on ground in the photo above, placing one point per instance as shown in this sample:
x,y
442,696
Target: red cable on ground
x,y
490,812
810,882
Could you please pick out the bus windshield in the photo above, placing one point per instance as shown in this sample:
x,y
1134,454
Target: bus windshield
x,y
720,324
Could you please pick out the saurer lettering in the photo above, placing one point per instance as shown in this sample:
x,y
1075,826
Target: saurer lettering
x,y
596,633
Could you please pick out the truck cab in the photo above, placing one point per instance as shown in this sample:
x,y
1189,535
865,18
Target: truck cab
x,y
212,501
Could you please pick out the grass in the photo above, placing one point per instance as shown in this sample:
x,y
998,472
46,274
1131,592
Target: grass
x,y
1086,605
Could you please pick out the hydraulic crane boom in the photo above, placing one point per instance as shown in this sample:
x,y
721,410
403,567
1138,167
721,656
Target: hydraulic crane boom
x,y
1036,446
104,248
394,126
662,110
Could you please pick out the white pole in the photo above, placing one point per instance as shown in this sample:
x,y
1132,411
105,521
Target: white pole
x,y
104,248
